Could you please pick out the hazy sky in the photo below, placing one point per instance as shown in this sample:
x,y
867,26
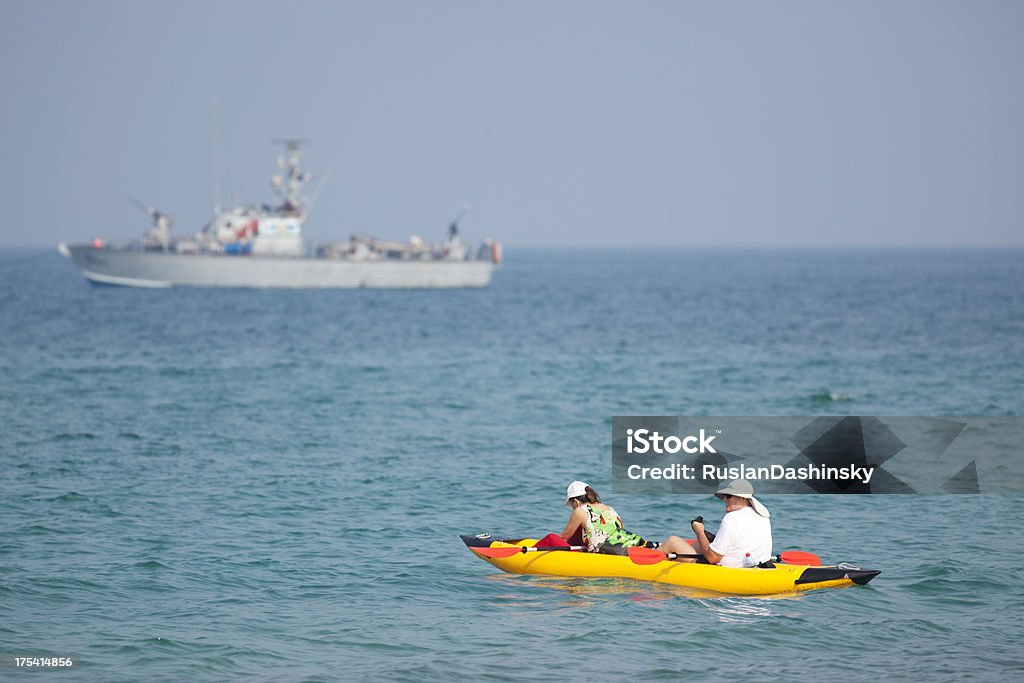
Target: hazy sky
x,y
562,123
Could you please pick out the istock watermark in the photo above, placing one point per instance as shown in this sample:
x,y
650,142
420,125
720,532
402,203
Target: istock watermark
x,y
644,440
838,454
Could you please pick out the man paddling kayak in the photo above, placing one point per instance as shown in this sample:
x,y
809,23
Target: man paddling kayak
x,y
745,528
601,527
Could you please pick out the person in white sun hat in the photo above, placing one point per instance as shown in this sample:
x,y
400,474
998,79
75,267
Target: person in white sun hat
x,y
746,528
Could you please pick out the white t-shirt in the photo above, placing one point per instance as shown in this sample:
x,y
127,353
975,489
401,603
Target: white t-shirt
x,y
743,531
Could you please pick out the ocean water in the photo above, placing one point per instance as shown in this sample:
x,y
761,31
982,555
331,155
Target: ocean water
x,y
269,485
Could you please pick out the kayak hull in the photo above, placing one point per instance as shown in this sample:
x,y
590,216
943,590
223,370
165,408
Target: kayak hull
x,y
783,578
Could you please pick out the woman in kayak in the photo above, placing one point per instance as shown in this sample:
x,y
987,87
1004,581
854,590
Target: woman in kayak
x,y
601,528
745,528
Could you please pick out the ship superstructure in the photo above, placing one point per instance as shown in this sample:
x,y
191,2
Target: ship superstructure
x,y
262,246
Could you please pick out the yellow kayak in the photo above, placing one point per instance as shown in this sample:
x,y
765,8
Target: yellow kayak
x,y
782,578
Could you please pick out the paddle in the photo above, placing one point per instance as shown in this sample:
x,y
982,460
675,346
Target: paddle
x,y
799,557
652,556
510,551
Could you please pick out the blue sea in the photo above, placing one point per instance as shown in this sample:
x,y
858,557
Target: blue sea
x,y
213,485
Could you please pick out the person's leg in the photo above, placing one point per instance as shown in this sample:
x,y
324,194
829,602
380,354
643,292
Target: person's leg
x,y
674,544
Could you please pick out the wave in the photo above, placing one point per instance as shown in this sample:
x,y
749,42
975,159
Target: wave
x,y
826,396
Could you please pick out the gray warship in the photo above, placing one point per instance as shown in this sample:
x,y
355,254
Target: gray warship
x,y
262,246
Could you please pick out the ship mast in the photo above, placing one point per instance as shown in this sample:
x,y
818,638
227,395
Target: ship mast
x,y
216,156
289,185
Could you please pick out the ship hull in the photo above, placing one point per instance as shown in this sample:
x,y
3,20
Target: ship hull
x,y
159,269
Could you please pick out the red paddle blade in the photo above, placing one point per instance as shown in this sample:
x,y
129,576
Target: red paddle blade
x,y
645,555
498,552
800,557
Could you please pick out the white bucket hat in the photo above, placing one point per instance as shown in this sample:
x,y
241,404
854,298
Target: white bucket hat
x,y
742,489
575,489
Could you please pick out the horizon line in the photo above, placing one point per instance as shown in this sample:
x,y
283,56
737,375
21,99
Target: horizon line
x,y
696,247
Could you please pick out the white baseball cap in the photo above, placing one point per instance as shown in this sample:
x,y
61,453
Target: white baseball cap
x,y
575,489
